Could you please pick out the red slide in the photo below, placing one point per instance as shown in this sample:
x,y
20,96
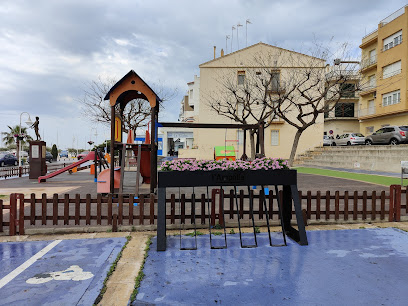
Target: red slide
x,y
90,156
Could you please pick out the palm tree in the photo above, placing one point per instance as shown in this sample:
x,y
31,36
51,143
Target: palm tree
x,y
11,137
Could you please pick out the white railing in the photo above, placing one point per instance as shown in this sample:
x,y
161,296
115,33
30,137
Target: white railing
x,y
342,75
393,16
368,61
366,111
372,32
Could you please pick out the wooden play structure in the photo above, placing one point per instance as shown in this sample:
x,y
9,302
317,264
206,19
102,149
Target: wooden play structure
x,y
130,87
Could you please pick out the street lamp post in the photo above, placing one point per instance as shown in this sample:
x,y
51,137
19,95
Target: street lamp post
x,y
20,136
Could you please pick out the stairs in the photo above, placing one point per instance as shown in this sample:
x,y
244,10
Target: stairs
x,y
374,158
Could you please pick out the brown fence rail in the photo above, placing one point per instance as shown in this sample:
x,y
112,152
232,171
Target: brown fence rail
x,y
219,207
20,171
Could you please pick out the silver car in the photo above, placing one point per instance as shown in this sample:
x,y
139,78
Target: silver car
x,y
392,135
349,139
327,140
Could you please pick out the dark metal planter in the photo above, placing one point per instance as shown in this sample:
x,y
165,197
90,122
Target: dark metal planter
x,y
285,178
226,178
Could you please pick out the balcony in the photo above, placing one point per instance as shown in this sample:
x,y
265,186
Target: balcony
x,y
368,90
366,111
368,63
342,75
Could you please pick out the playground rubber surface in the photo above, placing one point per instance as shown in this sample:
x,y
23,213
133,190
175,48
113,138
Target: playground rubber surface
x,y
342,267
56,272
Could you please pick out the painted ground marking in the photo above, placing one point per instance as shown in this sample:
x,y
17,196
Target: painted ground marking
x,y
13,274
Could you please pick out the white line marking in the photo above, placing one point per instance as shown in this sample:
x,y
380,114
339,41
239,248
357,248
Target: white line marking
x,y
13,274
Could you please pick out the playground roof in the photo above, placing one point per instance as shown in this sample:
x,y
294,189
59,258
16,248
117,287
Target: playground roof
x,y
123,92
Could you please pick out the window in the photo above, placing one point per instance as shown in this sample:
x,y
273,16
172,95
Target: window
x,y
371,81
372,56
275,81
275,137
241,77
344,110
347,90
392,41
371,107
191,94
240,137
391,98
391,70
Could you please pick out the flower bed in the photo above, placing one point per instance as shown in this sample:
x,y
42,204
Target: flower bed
x,y
264,163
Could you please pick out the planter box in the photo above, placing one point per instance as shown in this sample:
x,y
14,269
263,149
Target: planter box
x,y
226,178
286,178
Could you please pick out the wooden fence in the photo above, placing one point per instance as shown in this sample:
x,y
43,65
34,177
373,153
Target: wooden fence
x,y
20,171
220,208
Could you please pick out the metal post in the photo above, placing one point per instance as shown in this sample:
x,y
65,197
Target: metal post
x,y
112,150
161,219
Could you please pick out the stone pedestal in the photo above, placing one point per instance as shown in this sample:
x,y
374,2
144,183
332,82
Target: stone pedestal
x,y
37,159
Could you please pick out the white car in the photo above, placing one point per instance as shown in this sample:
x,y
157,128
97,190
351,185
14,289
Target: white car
x,y
327,140
349,139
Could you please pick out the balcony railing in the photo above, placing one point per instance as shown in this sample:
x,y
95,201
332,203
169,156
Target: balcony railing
x,y
366,111
368,62
342,75
393,16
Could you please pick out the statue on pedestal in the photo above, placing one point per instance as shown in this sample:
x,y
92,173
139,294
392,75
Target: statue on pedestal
x,y
35,127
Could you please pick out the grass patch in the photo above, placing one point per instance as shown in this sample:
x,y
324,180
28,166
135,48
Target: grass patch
x,y
3,196
232,232
111,270
218,226
141,274
217,233
257,230
198,233
369,178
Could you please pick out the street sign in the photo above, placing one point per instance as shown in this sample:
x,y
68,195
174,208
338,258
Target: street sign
x,y
331,132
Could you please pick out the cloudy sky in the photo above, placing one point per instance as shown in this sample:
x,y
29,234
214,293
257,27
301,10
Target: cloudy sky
x,y
49,50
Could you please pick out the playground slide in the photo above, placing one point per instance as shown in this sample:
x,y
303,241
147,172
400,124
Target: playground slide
x,y
90,156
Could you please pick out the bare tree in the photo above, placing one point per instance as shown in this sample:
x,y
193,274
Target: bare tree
x,y
136,113
308,90
294,87
243,99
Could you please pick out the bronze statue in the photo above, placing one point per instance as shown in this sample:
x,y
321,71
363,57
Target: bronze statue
x,y
35,127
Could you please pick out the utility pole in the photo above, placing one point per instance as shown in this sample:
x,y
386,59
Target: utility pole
x,y
232,36
246,31
226,39
238,25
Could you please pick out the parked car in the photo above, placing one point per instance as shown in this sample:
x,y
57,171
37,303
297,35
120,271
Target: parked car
x,y
82,155
63,153
392,135
48,157
327,140
7,159
349,139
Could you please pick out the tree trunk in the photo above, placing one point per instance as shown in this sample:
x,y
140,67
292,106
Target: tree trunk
x,y
252,139
294,147
18,149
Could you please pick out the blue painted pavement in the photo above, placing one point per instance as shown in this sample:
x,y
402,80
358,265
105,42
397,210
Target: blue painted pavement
x,y
341,267
71,273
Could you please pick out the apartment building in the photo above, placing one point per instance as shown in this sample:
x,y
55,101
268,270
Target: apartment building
x,y
383,99
237,68
342,116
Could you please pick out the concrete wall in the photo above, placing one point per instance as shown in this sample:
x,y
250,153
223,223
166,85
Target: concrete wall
x,y
374,158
